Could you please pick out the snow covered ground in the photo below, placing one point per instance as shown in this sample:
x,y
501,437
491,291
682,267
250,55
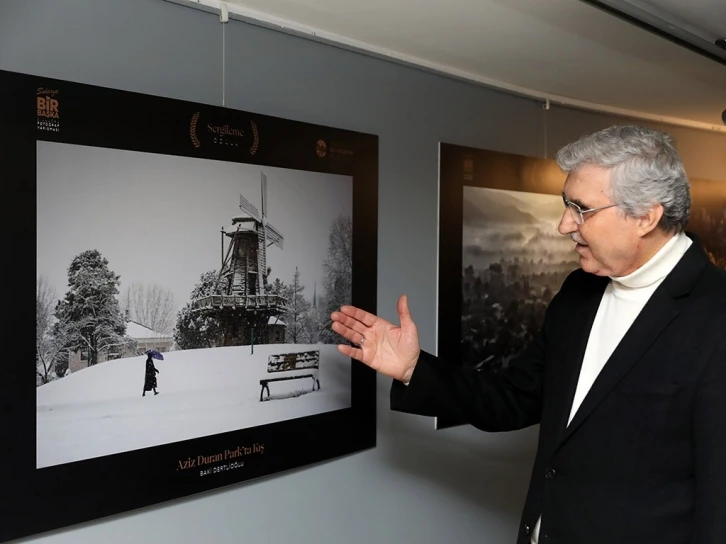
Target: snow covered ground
x,y
100,411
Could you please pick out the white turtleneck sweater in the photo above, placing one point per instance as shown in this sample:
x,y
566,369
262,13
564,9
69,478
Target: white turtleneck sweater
x,y
622,301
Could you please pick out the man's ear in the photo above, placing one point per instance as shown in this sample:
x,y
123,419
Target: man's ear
x,y
649,221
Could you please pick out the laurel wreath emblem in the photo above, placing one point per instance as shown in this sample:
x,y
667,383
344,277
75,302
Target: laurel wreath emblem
x,y
195,139
193,130
256,138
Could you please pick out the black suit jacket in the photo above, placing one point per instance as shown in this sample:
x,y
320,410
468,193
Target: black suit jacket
x,y
644,459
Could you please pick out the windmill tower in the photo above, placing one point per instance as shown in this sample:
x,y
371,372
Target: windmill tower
x,y
244,268
239,298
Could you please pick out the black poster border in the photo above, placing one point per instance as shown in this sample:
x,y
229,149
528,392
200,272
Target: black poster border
x,y
463,166
34,500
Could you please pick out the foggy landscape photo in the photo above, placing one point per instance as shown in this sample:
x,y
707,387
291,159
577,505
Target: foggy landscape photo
x,y
513,262
169,287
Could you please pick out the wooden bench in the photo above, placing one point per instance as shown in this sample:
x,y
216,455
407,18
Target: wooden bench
x,y
291,366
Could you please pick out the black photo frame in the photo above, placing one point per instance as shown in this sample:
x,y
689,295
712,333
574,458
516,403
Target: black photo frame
x,y
39,111
463,168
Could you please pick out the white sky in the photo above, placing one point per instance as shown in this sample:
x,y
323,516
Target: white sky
x,y
157,218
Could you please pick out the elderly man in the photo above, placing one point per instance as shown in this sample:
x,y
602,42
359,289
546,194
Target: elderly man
x,y
627,375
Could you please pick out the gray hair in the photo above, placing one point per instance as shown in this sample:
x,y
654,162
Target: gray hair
x,y
646,170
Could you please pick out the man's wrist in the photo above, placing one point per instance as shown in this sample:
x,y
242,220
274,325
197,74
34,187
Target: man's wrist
x,y
406,378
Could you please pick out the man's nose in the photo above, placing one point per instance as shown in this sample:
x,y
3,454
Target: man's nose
x,y
567,224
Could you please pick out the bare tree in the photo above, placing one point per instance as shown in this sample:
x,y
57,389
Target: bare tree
x,y
151,306
338,268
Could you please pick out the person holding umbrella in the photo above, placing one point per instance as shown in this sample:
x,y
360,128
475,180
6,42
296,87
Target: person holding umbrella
x,y
151,371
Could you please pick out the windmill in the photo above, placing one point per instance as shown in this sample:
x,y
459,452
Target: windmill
x,y
239,297
264,229
244,267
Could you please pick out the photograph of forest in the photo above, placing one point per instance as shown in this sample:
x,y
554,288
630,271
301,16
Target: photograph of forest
x,y
513,262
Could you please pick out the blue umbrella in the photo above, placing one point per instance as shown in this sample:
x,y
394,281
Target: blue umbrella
x,y
155,354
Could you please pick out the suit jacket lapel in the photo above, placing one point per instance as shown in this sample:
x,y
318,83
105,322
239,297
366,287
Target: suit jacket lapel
x,y
659,311
655,316
578,329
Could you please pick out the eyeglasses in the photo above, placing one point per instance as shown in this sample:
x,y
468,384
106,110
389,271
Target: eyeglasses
x,y
577,213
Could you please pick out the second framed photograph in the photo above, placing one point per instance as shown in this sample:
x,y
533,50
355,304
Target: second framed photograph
x,y
501,258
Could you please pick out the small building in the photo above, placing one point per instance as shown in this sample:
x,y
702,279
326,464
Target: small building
x,y
275,331
144,339
147,339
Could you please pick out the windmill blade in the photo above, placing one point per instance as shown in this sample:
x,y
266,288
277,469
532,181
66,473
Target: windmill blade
x,y
261,259
264,194
247,206
274,235
262,235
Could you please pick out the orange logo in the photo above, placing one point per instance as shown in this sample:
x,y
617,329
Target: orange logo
x,y
48,109
321,148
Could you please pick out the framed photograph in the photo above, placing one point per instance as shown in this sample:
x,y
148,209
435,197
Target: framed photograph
x,y
185,260
501,259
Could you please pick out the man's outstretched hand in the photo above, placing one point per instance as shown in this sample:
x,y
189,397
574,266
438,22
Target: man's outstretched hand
x,y
389,349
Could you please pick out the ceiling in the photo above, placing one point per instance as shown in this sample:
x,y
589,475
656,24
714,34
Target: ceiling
x,y
700,23
589,54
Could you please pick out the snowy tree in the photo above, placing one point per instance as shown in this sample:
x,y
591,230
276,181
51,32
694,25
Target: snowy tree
x,y
151,306
297,314
198,329
314,321
89,315
51,338
277,287
338,280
